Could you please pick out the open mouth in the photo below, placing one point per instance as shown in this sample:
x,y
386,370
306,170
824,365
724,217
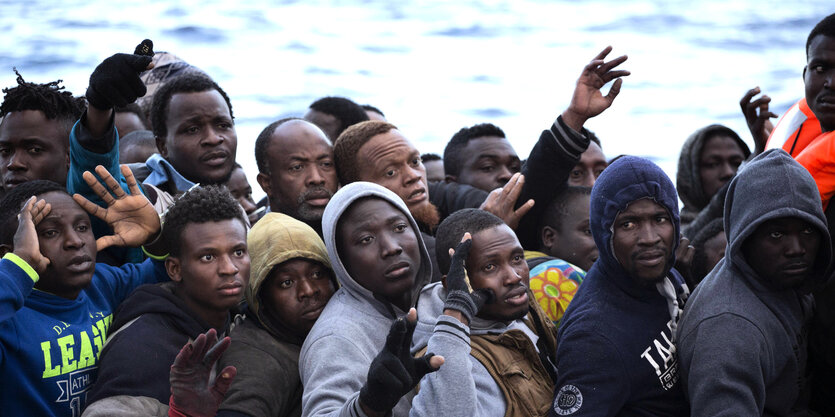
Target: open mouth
x,y
518,296
417,196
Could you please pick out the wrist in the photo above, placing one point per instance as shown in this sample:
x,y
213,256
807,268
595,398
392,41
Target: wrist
x,y
369,412
97,121
457,315
573,119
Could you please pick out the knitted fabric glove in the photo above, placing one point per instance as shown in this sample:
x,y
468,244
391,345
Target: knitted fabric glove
x,y
115,82
394,372
460,295
191,394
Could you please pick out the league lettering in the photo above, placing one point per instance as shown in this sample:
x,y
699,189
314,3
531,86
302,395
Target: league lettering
x,y
76,350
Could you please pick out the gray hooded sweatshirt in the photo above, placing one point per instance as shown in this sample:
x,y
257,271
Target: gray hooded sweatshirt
x,y
742,343
352,329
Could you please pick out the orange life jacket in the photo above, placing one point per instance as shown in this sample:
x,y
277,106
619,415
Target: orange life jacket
x,y
819,159
795,130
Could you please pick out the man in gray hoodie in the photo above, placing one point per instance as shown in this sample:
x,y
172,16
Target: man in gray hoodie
x,y
379,259
743,335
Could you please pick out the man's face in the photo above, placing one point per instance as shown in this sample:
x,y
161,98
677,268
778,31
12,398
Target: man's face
x,y
819,77
240,189
212,267
572,241
296,292
127,122
327,122
643,241
200,142
66,239
497,261
592,163
434,170
390,160
782,251
379,248
489,162
32,148
302,178
720,159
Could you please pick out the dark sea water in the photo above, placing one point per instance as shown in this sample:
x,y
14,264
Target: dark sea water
x,y
434,67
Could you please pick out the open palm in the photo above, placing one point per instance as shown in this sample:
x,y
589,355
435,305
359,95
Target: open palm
x,y
132,217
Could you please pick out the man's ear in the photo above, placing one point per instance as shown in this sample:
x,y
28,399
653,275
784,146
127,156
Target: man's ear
x,y
450,178
5,248
172,267
549,237
265,183
804,73
163,150
443,281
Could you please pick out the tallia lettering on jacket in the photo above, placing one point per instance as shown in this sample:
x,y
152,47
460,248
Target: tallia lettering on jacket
x,y
78,350
661,355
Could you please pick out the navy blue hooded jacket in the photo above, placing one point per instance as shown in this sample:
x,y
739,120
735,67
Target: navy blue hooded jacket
x,y
615,351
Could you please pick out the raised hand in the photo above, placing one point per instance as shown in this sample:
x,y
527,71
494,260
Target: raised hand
x,y
502,201
116,82
394,372
758,122
132,217
460,295
191,392
684,258
588,101
26,244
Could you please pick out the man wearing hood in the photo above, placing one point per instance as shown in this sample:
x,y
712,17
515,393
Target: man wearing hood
x,y
499,354
615,351
290,282
744,334
378,257
709,159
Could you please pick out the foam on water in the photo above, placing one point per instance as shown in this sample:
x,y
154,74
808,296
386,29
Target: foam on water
x,y
436,66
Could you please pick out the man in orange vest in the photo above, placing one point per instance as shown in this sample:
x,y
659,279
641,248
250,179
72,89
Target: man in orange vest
x,y
807,130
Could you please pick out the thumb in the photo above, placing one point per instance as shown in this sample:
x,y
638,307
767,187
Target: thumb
x,y
427,364
224,380
105,242
138,63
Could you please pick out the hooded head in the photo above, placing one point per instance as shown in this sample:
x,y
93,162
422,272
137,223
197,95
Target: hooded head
x,y
342,205
274,240
691,163
773,186
627,180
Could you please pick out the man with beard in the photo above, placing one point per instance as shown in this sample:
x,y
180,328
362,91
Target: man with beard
x,y
378,152
484,332
615,351
744,333
296,170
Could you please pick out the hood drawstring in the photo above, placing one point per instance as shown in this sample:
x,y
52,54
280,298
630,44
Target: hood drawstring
x,y
668,290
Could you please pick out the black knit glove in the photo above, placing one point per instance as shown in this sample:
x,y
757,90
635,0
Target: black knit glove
x,y
460,295
115,82
394,372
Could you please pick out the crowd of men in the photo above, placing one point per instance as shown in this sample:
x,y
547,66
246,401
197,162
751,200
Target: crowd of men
x,y
139,277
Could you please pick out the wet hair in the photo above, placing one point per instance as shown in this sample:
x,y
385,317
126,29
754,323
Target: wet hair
x,y
263,142
190,82
346,148
557,209
825,27
368,107
429,157
202,204
698,268
135,109
13,201
346,111
453,152
453,228
51,98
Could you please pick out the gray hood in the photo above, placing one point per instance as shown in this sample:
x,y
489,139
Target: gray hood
x,y
337,206
772,185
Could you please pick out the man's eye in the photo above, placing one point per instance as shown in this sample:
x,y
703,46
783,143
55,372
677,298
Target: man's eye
x,y
35,149
627,225
82,227
49,233
366,240
489,267
400,227
576,173
597,172
518,258
287,283
587,232
296,168
776,235
661,219
808,231
391,173
487,168
239,252
5,151
225,125
326,164
415,162
192,129
818,68
207,258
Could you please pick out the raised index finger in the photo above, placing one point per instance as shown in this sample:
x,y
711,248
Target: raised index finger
x,y
111,182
